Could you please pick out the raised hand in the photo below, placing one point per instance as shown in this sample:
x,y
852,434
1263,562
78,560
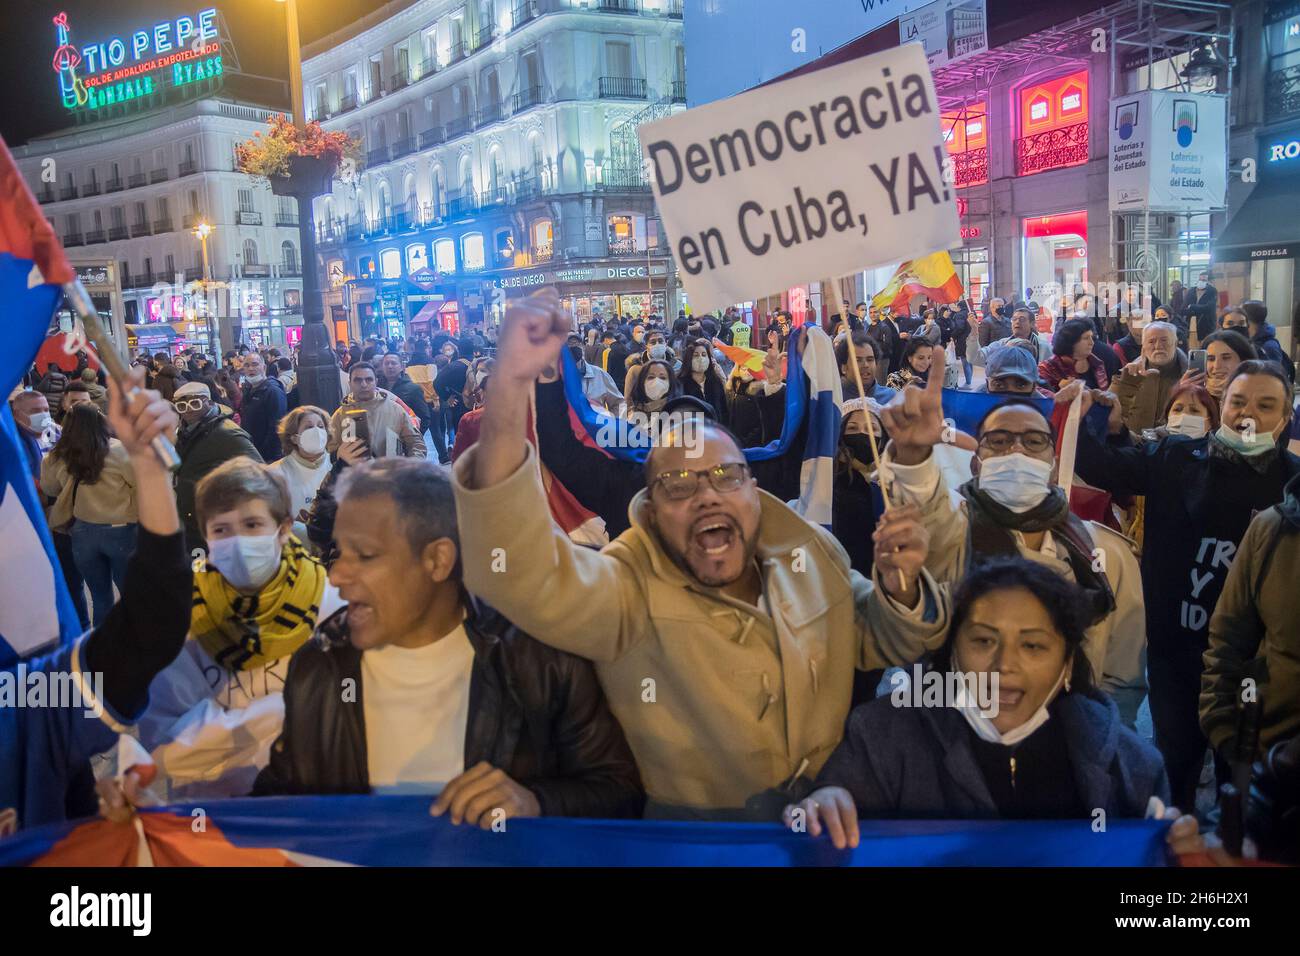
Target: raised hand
x,y
914,417
531,336
772,365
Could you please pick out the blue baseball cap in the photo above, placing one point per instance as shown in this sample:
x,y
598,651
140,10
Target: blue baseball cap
x,y
1012,359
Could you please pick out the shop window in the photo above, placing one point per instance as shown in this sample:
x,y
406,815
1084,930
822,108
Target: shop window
x,y
542,240
503,242
366,267
965,134
1053,124
622,235
471,251
390,264
417,258
444,256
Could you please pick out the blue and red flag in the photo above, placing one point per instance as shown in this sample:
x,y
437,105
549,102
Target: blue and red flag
x,y
35,608
398,831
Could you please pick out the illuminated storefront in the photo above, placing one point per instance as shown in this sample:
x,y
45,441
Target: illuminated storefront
x,y
612,287
1054,253
1053,124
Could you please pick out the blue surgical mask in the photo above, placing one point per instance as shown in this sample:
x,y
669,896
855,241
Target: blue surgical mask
x,y
1229,437
247,561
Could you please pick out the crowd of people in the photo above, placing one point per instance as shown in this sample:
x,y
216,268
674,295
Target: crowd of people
x,y
523,623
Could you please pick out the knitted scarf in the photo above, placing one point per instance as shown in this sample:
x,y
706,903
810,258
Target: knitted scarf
x,y
991,525
245,632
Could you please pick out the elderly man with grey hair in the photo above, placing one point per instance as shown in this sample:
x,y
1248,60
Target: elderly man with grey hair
x,y
1144,384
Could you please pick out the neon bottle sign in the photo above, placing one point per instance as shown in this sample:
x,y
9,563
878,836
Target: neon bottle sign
x,y
66,60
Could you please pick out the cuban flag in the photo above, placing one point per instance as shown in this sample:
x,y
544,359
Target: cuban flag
x,y
817,474
35,608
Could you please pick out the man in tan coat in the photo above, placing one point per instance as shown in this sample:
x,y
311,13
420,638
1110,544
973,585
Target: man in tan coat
x,y
392,430
724,628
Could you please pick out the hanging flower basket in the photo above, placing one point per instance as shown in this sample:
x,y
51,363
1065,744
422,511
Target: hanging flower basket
x,y
296,162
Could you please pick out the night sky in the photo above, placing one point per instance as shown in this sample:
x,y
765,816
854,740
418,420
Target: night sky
x,y
30,105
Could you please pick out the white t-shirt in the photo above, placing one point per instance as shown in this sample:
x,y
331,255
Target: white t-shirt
x,y
303,481
416,702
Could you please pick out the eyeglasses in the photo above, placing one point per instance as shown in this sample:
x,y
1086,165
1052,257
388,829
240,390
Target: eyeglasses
x,y
192,405
680,485
1000,440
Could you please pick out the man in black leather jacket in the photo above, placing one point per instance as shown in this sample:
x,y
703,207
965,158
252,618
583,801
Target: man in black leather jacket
x,y
418,687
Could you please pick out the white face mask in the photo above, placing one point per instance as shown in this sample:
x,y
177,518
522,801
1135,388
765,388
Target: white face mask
x,y
247,561
1201,284
700,363
312,441
1015,481
39,421
658,351
254,379
983,724
1193,426
656,388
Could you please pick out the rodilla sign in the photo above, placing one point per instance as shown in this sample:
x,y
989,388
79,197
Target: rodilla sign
x,y
120,68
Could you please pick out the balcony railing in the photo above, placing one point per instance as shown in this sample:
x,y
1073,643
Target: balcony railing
x,y
430,138
1052,149
68,192
971,168
525,99
255,270
347,103
1282,92
497,196
377,156
403,147
246,217
90,189
458,52
458,127
135,180
191,219
73,239
460,206
163,225
484,37
286,219
622,87
140,280
428,66
114,185
187,167
45,195
117,233
679,91
624,178
158,176
398,81
94,237
523,13
625,248
488,115
673,9
432,212
619,6
290,269
139,229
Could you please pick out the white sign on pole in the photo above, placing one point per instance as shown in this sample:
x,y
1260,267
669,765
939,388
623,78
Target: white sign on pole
x,y
823,174
1168,152
950,30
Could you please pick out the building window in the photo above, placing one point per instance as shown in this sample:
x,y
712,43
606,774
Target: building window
x,y
1053,124
444,255
503,244
542,240
288,257
965,134
417,258
245,200
622,235
471,250
390,264
250,252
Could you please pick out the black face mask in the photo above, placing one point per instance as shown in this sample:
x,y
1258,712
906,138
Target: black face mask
x,y
859,447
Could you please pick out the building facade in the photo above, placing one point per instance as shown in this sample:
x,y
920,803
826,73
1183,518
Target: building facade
x,y
500,154
131,190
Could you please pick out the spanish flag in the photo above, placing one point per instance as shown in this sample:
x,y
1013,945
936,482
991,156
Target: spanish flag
x,y
932,276
747,358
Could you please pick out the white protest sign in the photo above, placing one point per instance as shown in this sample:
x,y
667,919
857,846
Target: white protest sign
x,y
820,175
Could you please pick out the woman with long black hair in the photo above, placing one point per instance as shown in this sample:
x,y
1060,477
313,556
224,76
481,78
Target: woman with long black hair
x,y
700,376
89,475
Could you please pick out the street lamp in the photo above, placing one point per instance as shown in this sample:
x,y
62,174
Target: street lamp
x,y
318,375
201,232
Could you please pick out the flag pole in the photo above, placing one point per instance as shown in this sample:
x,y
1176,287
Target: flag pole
x,y
862,393
81,303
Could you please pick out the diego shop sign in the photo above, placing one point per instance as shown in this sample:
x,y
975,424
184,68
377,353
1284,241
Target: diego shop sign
x,y
1168,152
602,272
820,175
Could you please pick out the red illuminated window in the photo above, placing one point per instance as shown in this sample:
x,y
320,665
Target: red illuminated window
x,y
965,133
1053,124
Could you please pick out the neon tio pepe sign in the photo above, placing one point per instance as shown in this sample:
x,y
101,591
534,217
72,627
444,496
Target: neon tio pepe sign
x,y
120,68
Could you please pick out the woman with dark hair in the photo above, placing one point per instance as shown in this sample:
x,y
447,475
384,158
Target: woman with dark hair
x,y
917,356
1192,411
1022,733
1224,351
856,501
701,377
1072,357
89,475
654,386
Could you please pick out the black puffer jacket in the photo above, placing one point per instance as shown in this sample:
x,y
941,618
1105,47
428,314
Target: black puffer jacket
x,y
534,712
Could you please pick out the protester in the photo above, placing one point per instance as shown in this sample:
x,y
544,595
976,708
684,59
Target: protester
x,y
1204,302
959,319
166,376
216,709
734,720
52,384
1014,506
994,326
856,502
207,438
1145,384
868,362
1263,336
889,341
45,765
264,405
442,679
76,393
98,393
392,429
1052,748
917,356
1023,329
1072,351
701,377
1191,411
1200,497
652,386
304,434
88,473
1011,369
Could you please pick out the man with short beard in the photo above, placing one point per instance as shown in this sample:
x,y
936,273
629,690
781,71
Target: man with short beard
x,y
724,628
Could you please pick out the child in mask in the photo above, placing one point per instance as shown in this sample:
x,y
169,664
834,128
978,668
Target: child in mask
x,y
1015,735
215,711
